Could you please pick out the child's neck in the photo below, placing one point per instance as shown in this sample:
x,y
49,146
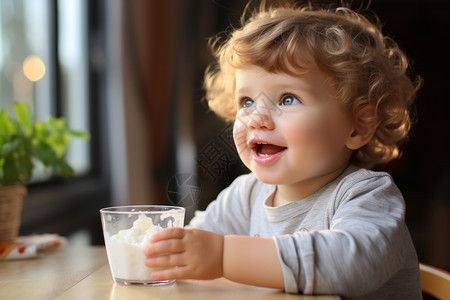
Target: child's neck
x,y
301,190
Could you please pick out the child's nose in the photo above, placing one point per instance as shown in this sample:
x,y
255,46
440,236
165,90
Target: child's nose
x,y
261,118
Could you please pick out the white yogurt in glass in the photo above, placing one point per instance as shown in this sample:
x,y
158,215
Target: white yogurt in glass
x,y
126,250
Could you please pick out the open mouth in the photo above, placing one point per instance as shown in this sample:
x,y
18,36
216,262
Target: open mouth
x,y
263,149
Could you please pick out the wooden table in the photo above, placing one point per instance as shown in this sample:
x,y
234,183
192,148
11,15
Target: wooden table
x,y
83,273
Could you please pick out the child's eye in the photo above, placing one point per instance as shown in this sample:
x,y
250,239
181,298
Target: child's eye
x,y
289,100
247,102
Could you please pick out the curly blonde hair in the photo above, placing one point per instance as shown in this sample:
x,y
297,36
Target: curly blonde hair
x,y
368,70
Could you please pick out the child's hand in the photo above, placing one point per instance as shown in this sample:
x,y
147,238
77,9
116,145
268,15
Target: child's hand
x,y
186,253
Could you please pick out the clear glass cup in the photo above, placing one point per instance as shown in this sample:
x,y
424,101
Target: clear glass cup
x,y
126,230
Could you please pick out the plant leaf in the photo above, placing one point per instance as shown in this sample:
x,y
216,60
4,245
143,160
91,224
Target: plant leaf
x,y
6,125
80,134
24,117
10,171
45,154
61,168
25,166
24,141
12,146
58,141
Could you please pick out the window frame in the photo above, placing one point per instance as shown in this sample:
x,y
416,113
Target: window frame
x,y
65,205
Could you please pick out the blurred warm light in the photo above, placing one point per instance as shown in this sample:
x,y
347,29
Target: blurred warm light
x,y
33,68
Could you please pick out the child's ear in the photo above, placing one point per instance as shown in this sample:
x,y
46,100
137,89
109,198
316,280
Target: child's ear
x,y
363,129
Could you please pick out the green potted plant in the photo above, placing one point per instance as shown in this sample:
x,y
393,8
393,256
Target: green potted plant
x,y
24,143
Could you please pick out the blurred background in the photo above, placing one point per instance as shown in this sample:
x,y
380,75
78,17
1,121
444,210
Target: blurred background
x,y
130,72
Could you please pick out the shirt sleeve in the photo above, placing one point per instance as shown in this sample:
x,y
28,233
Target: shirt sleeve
x,y
361,250
230,212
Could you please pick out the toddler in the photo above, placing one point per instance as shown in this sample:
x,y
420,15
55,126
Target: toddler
x,y
318,97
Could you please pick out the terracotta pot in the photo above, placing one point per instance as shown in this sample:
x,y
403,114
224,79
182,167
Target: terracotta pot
x,y
11,200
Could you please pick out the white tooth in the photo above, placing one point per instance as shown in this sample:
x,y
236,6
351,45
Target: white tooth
x,y
263,155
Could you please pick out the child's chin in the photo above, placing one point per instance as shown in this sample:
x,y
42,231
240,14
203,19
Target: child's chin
x,y
267,178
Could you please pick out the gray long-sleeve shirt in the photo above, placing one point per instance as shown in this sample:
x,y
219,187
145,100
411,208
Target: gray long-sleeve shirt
x,y
348,238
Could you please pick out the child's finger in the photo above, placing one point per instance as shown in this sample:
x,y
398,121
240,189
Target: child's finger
x,y
168,233
172,273
164,261
164,246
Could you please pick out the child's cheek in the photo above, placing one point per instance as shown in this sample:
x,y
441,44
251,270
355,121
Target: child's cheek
x,y
240,134
236,125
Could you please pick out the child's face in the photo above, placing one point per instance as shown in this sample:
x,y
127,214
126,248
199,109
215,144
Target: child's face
x,y
288,129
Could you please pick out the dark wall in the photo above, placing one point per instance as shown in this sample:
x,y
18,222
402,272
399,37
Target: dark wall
x,y
423,173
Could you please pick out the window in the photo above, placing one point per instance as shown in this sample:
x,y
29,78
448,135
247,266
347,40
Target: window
x,y
46,59
43,62
73,50
25,53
